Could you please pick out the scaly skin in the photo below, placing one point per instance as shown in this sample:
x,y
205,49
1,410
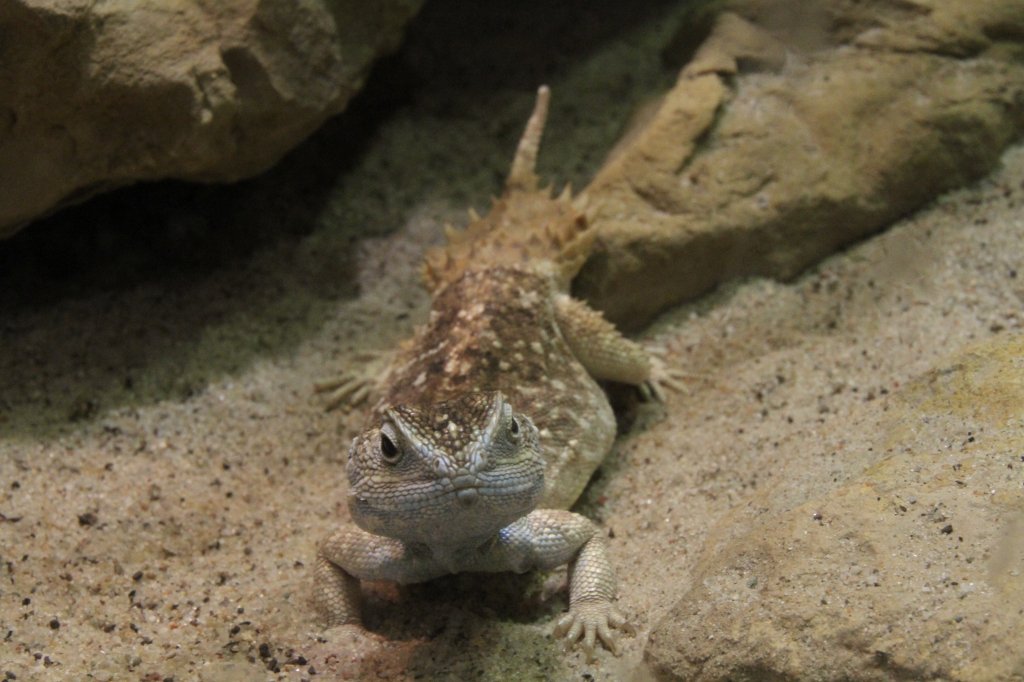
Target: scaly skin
x,y
490,411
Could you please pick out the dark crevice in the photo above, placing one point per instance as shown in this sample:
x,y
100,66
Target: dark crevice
x,y
160,231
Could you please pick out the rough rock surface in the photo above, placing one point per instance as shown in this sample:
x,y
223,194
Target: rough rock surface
x,y
94,95
913,569
783,140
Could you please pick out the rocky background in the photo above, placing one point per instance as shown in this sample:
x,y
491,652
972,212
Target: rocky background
x,y
95,95
839,493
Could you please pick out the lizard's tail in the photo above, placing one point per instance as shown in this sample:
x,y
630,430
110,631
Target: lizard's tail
x,y
526,226
523,175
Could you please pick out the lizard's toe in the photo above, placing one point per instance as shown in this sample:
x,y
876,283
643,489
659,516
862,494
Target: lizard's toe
x,y
354,386
593,621
663,378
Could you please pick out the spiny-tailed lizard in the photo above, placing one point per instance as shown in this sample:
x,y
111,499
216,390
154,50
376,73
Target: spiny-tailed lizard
x,y
491,421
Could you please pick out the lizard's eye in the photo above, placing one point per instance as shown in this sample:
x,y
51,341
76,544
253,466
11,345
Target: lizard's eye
x,y
388,450
513,428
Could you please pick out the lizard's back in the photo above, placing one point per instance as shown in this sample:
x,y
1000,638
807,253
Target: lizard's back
x,y
497,322
495,328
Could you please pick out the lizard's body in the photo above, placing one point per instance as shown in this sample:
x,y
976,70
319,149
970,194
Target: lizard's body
x,y
492,399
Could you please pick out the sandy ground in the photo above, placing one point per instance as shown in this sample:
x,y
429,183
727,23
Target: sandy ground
x,y
166,470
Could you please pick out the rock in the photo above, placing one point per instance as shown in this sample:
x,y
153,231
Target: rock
x,y
98,95
779,145
911,570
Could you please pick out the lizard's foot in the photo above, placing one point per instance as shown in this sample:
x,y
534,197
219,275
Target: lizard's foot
x,y
352,386
593,620
350,633
663,377
338,651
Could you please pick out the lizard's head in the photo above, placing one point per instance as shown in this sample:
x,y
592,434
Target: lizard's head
x,y
446,473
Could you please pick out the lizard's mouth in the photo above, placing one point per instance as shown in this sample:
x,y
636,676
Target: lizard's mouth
x,y
471,489
466,489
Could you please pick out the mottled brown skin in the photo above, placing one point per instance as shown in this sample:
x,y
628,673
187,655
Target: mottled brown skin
x,y
492,406
508,338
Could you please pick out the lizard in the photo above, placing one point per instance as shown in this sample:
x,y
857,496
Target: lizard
x,y
491,420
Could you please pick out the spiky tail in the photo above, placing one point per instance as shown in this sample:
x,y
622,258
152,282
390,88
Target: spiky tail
x,y
523,175
526,226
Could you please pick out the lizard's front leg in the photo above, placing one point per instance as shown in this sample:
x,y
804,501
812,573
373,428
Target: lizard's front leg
x,y
548,538
351,555
591,590
607,354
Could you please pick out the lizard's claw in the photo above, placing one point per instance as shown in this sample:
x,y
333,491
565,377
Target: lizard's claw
x,y
353,386
663,377
593,620
332,647
344,390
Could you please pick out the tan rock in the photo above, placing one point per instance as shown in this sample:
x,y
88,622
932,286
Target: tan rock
x,y
98,95
776,147
912,570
